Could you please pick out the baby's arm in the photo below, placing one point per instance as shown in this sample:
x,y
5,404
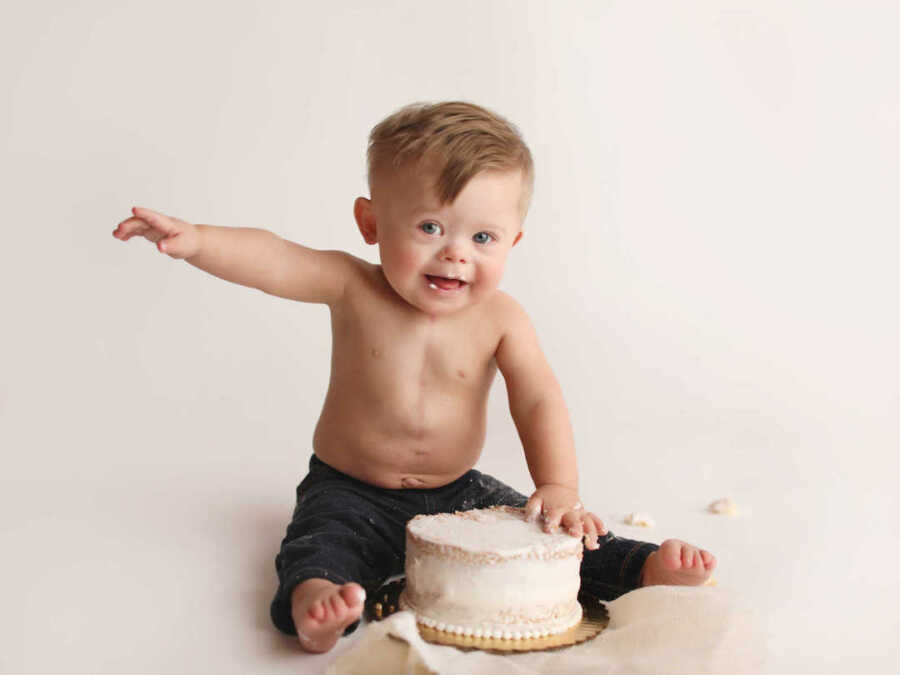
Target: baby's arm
x,y
542,419
246,256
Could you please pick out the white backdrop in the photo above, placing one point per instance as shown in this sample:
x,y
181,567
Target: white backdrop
x,y
709,261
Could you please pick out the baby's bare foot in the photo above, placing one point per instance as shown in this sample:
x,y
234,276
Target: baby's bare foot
x,y
677,564
322,610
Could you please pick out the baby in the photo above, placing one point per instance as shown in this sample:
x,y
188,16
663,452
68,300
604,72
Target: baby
x,y
417,341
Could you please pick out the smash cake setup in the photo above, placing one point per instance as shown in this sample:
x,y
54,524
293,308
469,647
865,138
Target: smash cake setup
x,y
489,579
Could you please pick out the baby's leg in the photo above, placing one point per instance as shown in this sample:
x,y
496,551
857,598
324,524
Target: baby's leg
x,y
615,567
344,540
677,563
622,565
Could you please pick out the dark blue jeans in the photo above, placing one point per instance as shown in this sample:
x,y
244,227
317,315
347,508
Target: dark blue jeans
x,y
346,530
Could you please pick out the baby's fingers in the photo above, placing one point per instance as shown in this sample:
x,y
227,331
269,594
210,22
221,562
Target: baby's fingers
x,y
552,518
533,508
149,224
172,236
158,221
590,532
571,522
601,528
131,227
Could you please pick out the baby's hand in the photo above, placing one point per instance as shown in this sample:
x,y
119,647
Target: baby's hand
x,y
558,505
172,236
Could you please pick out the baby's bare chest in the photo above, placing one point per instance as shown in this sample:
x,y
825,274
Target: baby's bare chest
x,y
397,353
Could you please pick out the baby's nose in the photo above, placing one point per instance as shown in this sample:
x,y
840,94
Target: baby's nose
x,y
452,254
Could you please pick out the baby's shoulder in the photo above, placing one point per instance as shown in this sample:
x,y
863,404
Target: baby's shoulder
x,y
505,312
359,265
360,272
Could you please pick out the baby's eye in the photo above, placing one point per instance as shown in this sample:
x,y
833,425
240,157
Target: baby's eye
x,y
482,238
430,228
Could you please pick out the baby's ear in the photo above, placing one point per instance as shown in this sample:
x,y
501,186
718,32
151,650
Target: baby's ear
x,y
365,219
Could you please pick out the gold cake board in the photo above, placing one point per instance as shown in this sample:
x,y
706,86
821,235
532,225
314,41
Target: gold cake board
x,y
594,619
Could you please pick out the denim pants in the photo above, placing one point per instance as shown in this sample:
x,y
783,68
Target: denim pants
x,y
346,530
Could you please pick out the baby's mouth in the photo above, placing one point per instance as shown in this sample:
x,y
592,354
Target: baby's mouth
x,y
444,283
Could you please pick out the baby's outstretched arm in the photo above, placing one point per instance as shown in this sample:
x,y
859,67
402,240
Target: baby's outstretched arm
x,y
246,256
542,420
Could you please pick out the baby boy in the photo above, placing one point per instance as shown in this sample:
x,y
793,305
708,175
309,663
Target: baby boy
x,y
417,341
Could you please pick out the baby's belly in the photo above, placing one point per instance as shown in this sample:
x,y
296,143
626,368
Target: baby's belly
x,y
399,455
388,476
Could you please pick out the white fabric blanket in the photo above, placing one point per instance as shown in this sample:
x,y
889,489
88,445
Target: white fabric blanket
x,y
659,629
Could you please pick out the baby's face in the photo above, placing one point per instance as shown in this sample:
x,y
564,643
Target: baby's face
x,y
442,258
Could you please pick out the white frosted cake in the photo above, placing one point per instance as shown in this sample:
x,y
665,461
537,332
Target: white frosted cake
x,y
490,573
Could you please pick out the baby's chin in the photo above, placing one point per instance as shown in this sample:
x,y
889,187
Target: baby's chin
x,y
440,307
435,303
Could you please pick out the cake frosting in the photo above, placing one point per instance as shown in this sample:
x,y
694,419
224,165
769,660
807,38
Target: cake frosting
x,y
491,573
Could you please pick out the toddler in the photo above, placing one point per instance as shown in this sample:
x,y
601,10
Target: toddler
x,y
417,341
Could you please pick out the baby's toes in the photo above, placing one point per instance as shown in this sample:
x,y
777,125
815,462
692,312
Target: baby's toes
x,y
676,563
671,554
687,556
352,594
709,560
338,606
317,611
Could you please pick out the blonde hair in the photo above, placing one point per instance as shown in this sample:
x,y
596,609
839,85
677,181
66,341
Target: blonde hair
x,y
463,138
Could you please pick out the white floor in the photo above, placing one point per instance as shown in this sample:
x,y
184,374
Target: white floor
x,y
171,570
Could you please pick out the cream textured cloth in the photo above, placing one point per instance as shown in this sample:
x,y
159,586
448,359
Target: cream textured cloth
x,y
659,629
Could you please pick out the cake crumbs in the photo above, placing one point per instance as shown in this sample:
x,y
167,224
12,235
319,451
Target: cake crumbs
x,y
639,520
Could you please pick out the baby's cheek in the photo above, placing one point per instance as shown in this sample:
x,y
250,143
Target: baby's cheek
x,y
410,263
491,275
403,263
